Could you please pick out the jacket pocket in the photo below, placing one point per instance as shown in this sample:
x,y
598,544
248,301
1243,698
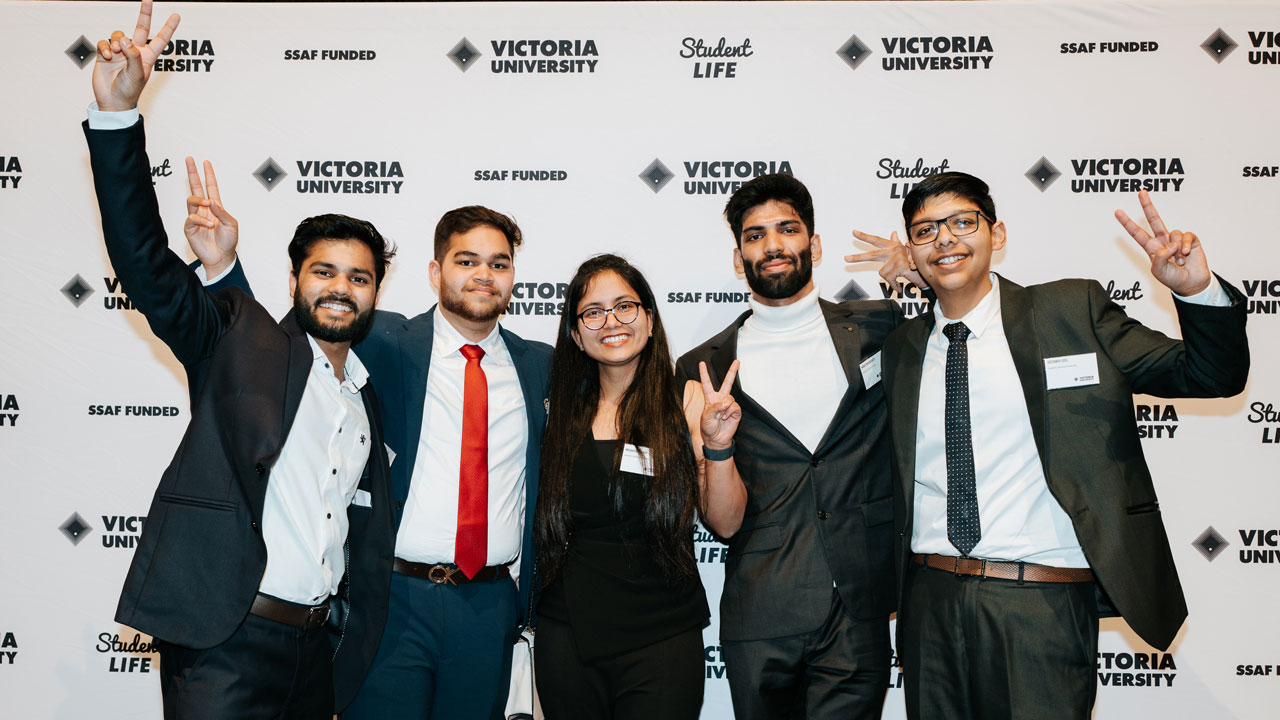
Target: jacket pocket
x,y
1148,507
198,502
760,539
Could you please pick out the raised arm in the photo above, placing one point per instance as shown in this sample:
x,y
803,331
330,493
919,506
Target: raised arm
x,y
713,416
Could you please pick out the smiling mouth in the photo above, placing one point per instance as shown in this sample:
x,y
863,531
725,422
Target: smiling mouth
x,y
336,306
950,259
614,339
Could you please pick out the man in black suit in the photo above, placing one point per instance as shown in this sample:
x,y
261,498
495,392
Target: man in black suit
x,y
282,459
1024,507
805,502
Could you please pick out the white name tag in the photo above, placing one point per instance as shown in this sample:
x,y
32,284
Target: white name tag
x,y
1071,371
636,460
362,498
870,368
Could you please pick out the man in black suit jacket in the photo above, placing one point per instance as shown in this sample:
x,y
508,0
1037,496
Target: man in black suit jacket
x,y
1024,507
805,501
264,470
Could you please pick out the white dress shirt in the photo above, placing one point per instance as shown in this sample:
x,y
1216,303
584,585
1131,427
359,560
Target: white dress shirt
x,y
429,526
304,519
790,367
1020,518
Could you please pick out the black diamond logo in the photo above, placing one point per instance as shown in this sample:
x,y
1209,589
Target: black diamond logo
x,y
1042,174
81,51
656,176
464,55
1210,544
269,173
852,291
75,528
854,52
1218,45
77,290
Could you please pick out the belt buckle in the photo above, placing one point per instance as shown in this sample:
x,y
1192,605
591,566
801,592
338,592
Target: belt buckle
x,y
440,574
316,616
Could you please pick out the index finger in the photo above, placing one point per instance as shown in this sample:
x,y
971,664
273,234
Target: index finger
x,y
142,31
212,181
875,239
707,388
1153,217
727,386
193,178
164,35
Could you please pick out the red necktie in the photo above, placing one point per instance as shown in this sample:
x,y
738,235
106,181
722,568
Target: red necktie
x,y
471,548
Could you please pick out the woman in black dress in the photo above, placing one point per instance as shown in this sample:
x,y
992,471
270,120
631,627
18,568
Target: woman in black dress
x,y
622,610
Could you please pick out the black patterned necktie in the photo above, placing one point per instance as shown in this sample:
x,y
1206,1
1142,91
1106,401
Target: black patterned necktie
x,y
963,527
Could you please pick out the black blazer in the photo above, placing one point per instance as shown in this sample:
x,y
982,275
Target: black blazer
x,y
201,555
1087,437
812,518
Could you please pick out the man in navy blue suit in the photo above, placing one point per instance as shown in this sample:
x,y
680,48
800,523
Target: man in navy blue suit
x,y
455,608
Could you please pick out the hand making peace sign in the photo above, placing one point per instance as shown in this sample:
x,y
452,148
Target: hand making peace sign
x,y
124,64
720,412
1177,258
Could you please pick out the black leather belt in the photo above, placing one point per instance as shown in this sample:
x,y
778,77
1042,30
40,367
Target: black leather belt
x,y
448,573
1003,569
303,616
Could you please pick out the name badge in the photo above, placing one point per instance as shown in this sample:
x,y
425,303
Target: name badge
x,y
1071,371
636,459
870,368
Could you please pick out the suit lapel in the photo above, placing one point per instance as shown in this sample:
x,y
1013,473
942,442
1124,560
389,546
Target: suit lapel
x,y
847,338
300,359
905,403
1018,317
414,339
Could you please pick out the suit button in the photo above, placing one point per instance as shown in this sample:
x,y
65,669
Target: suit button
x,y
823,515
815,462
399,503
254,525
260,469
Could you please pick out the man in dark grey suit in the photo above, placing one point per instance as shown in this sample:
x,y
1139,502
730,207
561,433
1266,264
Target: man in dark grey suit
x,y
805,501
282,459
1023,503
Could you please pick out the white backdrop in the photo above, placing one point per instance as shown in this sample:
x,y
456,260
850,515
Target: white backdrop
x,y
851,98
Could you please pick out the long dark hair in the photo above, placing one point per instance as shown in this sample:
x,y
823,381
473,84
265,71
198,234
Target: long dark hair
x,y
649,414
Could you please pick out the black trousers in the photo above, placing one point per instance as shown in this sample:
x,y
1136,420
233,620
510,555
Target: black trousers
x,y
662,681
985,649
840,670
265,670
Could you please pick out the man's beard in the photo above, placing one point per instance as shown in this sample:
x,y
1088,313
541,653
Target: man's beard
x,y
352,332
780,287
454,303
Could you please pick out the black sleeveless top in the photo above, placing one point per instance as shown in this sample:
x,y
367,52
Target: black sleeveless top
x,y
610,590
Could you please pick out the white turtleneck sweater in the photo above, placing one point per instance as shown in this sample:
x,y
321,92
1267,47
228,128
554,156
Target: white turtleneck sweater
x,y
790,367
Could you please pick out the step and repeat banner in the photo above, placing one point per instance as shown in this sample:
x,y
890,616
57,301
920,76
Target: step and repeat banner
x,y
625,127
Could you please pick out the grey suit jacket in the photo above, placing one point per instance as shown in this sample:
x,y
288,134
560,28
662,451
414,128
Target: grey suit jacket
x,y
812,519
1087,437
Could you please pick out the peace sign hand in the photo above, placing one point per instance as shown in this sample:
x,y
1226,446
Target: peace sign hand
x,y
124,64
894,257
1177,258
211,231
720,412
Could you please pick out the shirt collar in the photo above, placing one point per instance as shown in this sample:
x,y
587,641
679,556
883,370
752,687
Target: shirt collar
x,y
448,341
781,318
353,370
979,319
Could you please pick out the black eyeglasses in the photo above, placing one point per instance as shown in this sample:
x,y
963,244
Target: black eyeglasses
x,y
594,318
961,224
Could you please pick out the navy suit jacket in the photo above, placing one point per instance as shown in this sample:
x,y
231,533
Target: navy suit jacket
x,y
397,354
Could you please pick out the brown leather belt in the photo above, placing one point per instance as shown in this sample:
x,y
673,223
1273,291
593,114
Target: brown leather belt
x,y
1003,570
441,574
303,616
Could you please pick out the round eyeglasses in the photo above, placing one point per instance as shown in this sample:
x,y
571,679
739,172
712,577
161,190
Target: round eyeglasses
x,y
961,224
626,312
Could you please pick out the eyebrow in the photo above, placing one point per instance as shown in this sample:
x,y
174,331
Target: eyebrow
x,y
331,266
780,223
469,254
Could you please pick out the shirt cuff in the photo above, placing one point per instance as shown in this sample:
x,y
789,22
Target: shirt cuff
x,y
99,120
204,280
1213,295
